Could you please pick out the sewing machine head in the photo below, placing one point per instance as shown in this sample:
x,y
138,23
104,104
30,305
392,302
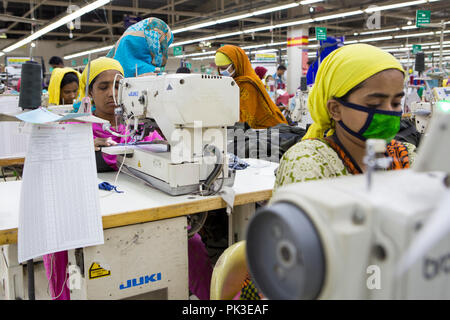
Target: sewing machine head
x,y
178,101
193,112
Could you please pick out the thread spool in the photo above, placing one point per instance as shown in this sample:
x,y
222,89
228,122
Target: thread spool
x,y
30,85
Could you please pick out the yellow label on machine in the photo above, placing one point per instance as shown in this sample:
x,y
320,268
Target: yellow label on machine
x,y
96,271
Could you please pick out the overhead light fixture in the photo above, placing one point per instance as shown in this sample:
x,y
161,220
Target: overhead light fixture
x,y
2,53
64,20
338,15
409,27
239,17
236,17
394,6
376,39
377,31
306,2
85,53
283,7
414,35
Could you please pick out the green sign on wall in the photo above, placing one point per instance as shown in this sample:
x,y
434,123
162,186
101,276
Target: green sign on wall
x,y
177,51
85,60
74,63
416,48
422,17
188,65
321,33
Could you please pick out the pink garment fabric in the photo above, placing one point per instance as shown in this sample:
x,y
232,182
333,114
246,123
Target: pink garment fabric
x,y
57,275
200,268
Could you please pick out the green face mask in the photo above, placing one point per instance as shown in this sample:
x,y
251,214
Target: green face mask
x,y
379,124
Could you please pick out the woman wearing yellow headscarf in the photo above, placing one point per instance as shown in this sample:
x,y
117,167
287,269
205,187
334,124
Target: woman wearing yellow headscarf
x,y
357,96
64,86
256,106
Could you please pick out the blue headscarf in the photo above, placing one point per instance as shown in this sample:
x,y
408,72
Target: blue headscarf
x,y
144,44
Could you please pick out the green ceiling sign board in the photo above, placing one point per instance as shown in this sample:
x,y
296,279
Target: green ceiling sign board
x,y
321,33
422,17
177,51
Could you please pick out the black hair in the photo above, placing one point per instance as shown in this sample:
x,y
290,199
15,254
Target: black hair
x,y
91,85
281,67
183,70
55,60
69,78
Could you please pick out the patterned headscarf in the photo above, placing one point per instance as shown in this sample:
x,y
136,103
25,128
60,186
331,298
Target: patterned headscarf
x,y
143,46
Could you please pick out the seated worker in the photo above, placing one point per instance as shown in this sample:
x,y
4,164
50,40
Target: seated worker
x,y
100,90
279,77
63,87
100,84
256,106
143,47
357,96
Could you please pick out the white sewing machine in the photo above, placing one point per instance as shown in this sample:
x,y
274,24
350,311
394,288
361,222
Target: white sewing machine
x,y
193,112
338,239
423,111
299,107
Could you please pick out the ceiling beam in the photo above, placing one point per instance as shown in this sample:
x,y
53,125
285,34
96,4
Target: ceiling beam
x,y
27,13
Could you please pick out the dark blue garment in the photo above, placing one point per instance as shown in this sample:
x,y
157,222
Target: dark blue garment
x,y
326,47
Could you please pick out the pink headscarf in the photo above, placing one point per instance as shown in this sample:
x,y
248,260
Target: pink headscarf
x,y
261,72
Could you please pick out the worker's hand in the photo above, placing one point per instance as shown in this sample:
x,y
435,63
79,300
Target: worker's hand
x,y
103,142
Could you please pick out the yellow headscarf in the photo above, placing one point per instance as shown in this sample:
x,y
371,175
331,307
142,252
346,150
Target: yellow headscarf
x,y
98,66
54,87
221,59
339,72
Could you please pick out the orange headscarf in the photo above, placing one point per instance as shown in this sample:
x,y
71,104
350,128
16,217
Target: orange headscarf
x,y
256,107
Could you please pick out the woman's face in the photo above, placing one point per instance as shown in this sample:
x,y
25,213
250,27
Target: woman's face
x,y
102,93
229,67
68,93
383,91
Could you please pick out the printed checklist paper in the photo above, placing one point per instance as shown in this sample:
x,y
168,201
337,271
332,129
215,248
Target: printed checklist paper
x,y
59,203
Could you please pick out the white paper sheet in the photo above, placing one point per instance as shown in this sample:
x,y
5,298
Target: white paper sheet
x,y
59,205
13,139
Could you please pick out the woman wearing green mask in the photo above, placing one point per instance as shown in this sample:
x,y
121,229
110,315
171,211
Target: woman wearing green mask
x,y
357,96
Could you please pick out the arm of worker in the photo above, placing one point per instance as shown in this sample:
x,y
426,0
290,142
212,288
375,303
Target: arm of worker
x,y
103,142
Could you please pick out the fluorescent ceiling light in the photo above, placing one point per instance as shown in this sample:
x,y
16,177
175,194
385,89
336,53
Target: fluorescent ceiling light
x,y
376,39
84,53
394,6
286,6
228,34
242,16
351,42
409,27
379,31
339,15
414,35
2,54
236,17
305,2
64,20
259,29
